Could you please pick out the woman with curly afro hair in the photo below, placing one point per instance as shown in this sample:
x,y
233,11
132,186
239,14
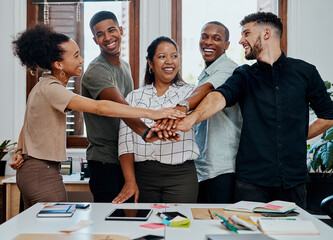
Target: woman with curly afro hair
x,y
42,141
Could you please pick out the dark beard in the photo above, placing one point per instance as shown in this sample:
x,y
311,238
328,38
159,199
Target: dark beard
x,y
255,51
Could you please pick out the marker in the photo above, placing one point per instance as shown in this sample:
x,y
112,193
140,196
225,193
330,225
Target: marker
x,y
226,224
163,216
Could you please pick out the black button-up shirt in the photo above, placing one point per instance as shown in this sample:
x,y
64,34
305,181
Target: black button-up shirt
x,y
275,101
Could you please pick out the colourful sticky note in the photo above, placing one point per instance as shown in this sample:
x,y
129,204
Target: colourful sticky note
x,y
159,206
153,225
271,206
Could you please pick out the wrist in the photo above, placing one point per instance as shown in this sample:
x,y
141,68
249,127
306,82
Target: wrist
x,y
144,134
184,103
18,150
181,108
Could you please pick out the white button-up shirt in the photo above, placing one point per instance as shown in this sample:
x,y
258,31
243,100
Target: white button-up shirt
x,y
165,152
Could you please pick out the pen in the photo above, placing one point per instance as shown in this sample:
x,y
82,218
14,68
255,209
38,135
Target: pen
x,y
226,224
163,216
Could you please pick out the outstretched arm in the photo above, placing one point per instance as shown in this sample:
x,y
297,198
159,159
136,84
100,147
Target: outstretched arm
x,y
210,105
318,126
193,100
113,109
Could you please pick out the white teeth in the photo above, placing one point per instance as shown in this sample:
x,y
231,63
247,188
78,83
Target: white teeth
x,y
111,44
208,50
168,69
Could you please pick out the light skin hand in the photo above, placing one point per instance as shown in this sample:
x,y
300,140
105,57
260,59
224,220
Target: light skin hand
x,y
129,189
171,113
17,161
185,124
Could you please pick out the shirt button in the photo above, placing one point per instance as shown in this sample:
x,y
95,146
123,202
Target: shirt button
x,y
48,167
277,88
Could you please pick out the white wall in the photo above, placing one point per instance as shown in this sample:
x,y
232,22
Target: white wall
x,y
310,33
12,80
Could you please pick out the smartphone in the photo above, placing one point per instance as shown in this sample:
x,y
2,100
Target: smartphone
x,y
287,214
82,206
149,237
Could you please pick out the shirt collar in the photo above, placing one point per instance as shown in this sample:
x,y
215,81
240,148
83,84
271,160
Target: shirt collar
x,y
209,70
48,75
278,63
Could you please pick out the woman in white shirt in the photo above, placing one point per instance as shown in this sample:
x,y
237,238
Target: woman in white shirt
x,y
163,171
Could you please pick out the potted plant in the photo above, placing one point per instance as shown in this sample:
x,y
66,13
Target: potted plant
x,y
320,168
6,147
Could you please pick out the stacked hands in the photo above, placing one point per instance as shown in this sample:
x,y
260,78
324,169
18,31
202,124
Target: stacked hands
x,y
165,129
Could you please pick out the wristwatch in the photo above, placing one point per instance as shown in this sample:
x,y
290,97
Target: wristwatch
x,y
184,103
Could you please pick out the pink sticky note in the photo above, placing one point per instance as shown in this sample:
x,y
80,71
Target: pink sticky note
x,y
159,206
271,206
153,225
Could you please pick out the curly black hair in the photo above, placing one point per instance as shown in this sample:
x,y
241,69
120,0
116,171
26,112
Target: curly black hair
x,y
151,50
267,18
39,47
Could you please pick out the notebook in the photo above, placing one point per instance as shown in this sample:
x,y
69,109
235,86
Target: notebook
x,y
272,207
287,227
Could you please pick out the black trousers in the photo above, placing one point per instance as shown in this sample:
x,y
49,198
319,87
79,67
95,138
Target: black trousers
x,y
220,189
252,192
165,183
106,180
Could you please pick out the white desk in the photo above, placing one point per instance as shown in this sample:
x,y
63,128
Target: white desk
x,y
72,183
27,222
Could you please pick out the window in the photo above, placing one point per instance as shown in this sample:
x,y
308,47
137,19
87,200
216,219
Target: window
x,y
230,13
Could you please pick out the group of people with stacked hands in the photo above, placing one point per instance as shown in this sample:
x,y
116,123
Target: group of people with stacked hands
x,y
239,135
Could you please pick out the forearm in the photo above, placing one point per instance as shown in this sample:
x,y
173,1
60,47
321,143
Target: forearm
x,y
319,126
211,104
136,124
127,166
198,94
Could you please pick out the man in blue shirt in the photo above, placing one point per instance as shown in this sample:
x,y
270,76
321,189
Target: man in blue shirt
x,y
274,95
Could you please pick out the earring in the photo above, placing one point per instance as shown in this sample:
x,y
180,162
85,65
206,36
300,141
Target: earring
x,y
32,73
150,71
62,73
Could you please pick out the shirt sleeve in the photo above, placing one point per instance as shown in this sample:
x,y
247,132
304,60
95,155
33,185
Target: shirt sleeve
x,y
233,88
318,97
125,140
221,75
58,96
99,78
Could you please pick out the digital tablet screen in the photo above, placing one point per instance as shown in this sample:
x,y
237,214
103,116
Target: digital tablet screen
x,y
129,214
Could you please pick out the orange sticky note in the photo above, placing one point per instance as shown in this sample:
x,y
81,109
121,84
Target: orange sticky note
x,y
153,225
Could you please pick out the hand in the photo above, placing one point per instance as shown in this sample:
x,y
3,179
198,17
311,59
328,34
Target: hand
x,y
185,124
170,112
153,136
17,161
129,189
162,133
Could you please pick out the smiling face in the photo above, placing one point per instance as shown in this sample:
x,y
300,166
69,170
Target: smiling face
x,y
72,61
212,42
165,63
251,40
107,35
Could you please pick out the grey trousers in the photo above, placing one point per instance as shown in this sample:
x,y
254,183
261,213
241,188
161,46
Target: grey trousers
x,y
166,183
40,181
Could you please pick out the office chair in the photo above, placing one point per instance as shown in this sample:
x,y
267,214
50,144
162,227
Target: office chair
x,y
327,206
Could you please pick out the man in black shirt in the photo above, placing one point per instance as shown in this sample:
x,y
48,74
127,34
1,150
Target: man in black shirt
x,y
274,95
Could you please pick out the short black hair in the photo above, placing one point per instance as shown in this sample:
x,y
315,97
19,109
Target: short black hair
x,y
39,46
151,51
100,16
226,30
265,18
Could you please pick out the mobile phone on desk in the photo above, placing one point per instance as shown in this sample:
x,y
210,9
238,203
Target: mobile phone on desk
x,y
287,214
82,206
149,237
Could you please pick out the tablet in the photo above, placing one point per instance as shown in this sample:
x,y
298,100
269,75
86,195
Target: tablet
x,y
129,214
